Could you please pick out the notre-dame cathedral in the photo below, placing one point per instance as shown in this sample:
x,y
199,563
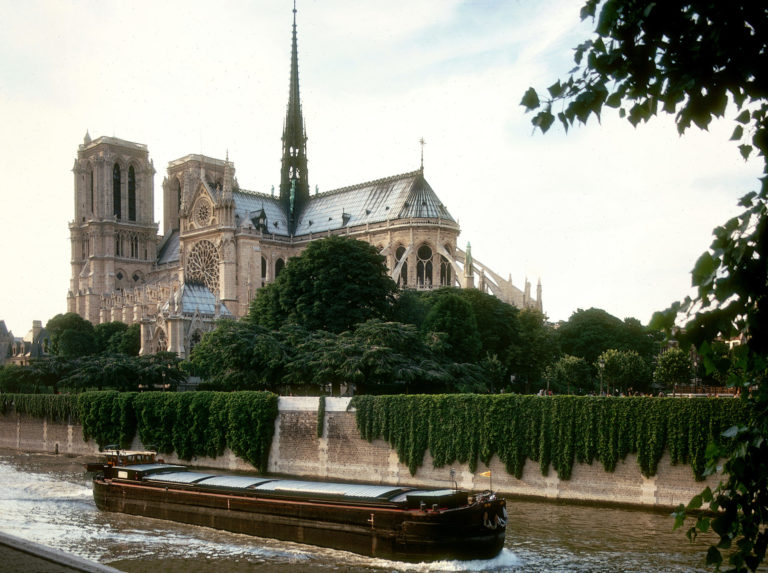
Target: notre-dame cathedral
x,y
220,243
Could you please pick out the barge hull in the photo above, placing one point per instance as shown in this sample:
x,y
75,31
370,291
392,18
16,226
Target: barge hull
x,y
374,531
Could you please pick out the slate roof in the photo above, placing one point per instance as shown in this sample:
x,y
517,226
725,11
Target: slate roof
x,y
248,205
403,196
169,249
197,298
398,197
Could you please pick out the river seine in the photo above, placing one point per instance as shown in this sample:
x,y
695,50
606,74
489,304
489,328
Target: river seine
x,y
47,499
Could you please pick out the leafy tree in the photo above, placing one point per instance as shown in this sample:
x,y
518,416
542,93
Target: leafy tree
x,y
239,355
693,59
108,335
623,370
537,349
130,341
16,379
569,374
672,367
589,333
454,316
71,335
334,284
411,307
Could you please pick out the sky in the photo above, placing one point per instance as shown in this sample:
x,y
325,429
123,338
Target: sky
x,y
606,216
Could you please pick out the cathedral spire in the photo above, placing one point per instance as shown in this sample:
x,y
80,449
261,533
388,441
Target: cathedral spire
x,y
293,173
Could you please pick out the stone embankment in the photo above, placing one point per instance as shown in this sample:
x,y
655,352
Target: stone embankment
x,y
340,454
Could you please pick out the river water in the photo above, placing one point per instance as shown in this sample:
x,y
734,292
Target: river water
x,y
47,499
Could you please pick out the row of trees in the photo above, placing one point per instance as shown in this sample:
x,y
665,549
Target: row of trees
x,y
334,319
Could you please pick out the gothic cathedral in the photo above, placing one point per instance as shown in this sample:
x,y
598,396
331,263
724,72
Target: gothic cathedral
x,y
221,243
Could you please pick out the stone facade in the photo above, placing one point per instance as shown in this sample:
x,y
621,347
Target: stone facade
x,y
20,350
221,244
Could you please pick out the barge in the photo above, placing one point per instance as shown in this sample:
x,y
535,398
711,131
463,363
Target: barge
x,y
393,522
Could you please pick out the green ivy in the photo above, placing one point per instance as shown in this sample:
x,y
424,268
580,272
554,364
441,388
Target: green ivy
x,y
54,407
190,424
553,431
108,417
250,426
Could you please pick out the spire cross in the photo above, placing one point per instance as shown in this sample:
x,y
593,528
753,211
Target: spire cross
x,y
423,143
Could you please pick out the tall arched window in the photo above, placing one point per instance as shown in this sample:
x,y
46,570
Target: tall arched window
x,y
177,187
131,194
279,266
91,190
263,271
116,198
402,280
134,246
446,272
424,266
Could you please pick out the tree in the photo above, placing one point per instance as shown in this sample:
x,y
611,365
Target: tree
x,y
239,355
454,316
588,333
569,373
623,371
71,335
108,335
334,284
130,341
691,59
673,367
537,349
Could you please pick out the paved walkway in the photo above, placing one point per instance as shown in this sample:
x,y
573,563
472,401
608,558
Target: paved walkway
x,y
20,555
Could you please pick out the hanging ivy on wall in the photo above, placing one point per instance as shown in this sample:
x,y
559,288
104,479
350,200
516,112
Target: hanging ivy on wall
x,y
54,407
190,424
553,431
108,417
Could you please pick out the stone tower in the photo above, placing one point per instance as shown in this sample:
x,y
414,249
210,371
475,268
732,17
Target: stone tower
x,y
113,235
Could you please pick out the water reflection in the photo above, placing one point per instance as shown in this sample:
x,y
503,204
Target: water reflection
x,y
48,499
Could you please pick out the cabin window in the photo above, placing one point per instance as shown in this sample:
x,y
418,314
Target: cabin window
x,y
116,197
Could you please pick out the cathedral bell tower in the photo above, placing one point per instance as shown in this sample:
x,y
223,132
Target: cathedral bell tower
x,y
113,234
294,183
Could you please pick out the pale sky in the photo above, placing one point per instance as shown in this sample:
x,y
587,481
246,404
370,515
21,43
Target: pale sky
x,y
607,216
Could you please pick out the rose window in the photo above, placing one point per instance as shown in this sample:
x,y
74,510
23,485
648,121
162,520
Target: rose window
x,y
203,213
203,265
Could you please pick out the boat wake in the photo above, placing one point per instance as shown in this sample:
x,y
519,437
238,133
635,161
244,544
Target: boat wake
x,y
504,561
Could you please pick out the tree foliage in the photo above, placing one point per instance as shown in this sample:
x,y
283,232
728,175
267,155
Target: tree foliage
x,y
672,367
71,335
239,355
334,284
569,374
623,371
693,60
455,317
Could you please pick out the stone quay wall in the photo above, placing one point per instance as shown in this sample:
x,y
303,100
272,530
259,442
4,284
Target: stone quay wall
x,y
340,454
